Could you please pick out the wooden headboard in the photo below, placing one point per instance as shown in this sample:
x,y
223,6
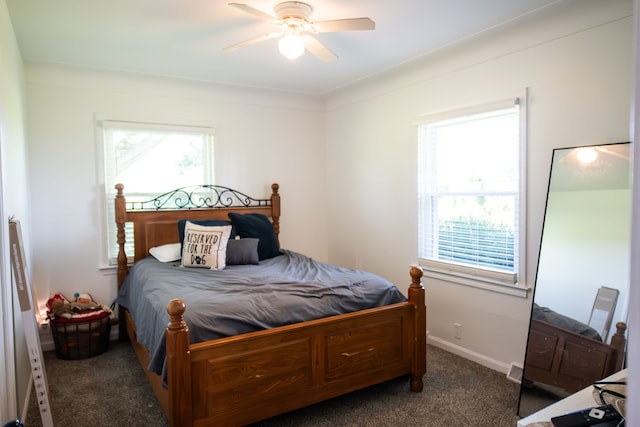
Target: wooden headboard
x,y
155,221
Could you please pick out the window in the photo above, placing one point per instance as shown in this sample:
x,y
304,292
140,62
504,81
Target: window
x,y
470,193
150,159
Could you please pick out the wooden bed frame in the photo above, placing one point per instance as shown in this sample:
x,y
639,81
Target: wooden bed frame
x,y
250,377
570,361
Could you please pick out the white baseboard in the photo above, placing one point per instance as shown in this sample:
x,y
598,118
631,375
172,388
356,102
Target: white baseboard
x,y
46,341
115,332
481,359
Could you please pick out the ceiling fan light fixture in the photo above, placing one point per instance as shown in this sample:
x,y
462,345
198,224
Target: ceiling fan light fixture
x,y
297,30
291,45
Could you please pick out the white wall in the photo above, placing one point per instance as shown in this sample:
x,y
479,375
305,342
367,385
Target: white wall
x,y
577,63
13,190
260,138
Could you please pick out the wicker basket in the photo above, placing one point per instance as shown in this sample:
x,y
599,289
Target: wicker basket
x,y
80,339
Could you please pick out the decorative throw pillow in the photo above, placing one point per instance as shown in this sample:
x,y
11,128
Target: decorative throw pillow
x,y
259,227
205,246
242,251
166,253
207,222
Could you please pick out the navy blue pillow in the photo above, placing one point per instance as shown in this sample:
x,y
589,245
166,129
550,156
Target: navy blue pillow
x,y
257,226
207,222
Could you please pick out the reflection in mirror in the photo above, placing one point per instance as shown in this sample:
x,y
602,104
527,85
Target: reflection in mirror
x,y
576,334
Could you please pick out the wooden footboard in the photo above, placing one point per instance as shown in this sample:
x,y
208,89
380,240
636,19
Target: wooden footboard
x,y
247,378
569,361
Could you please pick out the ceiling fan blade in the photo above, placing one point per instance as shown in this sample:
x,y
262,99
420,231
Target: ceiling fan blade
x,y
319,50
251,41
353,24
253,11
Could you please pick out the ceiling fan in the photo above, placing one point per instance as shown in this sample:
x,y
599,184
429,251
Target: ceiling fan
x,y
295,29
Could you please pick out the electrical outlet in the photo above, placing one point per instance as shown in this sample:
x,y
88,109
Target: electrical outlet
x,y
457,333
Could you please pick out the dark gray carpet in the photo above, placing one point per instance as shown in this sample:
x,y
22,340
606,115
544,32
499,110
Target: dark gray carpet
x,y
106,390
111,390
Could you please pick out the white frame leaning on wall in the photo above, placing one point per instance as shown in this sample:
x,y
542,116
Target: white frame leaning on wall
x,y
9,403
496,281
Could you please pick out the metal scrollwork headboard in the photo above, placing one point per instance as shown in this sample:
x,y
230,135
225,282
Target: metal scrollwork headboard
x,y
198,197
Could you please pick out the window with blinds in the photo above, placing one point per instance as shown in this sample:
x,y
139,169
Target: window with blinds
x,y
470,192
150,159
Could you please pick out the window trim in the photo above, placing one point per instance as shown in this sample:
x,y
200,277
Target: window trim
x,y
130,122
475,281
485,278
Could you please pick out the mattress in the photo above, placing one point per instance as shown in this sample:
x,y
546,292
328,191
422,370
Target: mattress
x,y
565,322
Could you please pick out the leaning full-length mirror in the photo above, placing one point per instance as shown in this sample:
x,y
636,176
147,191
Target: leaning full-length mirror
x,y
582,282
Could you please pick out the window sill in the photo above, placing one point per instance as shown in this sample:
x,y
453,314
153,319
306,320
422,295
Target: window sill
x,y
108,269
479,279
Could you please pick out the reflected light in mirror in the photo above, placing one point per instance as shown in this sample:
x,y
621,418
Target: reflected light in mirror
x,y
587,155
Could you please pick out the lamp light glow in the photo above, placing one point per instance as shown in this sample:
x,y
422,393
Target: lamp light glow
x,y
291,45
587,155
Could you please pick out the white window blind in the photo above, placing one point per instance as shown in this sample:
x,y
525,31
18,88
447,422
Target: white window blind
x,y
150,159
470,168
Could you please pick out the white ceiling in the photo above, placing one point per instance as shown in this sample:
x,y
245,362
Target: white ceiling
x,y
185,38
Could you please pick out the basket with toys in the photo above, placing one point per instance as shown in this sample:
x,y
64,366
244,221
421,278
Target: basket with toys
x,y
80,327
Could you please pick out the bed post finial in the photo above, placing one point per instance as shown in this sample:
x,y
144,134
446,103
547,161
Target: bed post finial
x,y
416,296
178,365
416,274
175,309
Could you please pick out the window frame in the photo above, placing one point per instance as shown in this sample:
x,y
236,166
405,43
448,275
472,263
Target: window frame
x,y
107,192
511,283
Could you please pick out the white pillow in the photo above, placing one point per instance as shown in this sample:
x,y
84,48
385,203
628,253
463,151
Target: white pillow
x,y
205,246
166,253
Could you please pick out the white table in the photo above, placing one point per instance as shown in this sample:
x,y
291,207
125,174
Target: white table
x,y
579,400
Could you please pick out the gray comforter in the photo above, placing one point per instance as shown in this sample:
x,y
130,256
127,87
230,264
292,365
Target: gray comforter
x,y
287,289
562,321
